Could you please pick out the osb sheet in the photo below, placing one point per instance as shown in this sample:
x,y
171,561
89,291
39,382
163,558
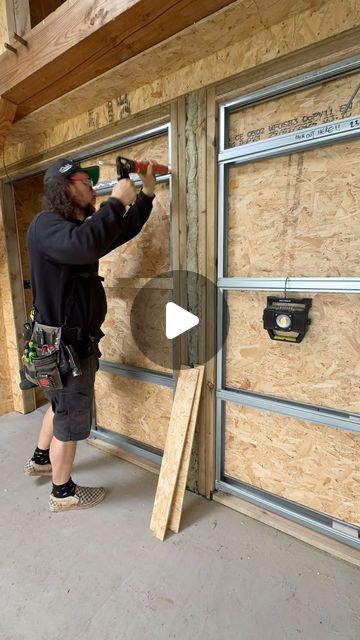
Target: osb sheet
x,y
6,399
323,369
307,108
136,409
148,254
119,345
296,215
27,196
313,465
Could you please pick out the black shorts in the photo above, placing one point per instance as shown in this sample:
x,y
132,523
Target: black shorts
x,y
73,405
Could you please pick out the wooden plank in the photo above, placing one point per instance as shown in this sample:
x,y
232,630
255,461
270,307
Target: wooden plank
x,y
18,18
118,452
180,285
318,540
62,38
211,274
178,219
174,445
178,498
7,115
202,251
61,56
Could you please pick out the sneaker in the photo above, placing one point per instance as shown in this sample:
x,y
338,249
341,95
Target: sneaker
x,y
84,498
33,469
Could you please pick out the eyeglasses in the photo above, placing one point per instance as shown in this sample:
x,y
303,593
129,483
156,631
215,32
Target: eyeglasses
x,y
87,181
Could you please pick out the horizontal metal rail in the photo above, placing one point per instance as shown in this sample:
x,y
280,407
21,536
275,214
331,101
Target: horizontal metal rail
x,y
301,411
303,284
116,439
289,510
302,140
136,373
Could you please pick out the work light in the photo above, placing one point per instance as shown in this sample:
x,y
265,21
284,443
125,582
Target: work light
x,y
287,319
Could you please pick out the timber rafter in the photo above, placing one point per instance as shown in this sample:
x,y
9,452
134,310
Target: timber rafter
x,y
82,40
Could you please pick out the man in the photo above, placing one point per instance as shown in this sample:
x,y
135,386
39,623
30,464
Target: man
x,y
64,247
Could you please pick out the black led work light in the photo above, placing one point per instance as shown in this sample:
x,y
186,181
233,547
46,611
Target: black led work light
x,y
287,319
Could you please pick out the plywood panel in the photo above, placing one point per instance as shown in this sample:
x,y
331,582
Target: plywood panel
x,y
311,106
148,254
323,369
27,197
312,465
6,399
138,410
296,215
119,345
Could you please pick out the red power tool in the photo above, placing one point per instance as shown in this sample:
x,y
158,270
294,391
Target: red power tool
x,y
124,167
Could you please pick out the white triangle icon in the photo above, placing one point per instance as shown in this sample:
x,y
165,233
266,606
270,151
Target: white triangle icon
x,y
178,320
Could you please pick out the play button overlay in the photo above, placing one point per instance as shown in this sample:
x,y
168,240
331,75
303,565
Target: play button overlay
x,y
171,324
178,320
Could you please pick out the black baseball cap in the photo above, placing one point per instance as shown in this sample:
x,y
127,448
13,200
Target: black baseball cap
x,y
66,168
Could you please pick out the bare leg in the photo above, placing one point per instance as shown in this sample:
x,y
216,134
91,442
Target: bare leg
x,y
47,429
62,456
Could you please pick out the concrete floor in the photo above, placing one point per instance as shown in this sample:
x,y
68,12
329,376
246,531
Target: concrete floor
x,y
99,574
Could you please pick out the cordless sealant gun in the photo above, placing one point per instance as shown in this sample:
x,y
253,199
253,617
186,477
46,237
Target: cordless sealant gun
x,y
124,167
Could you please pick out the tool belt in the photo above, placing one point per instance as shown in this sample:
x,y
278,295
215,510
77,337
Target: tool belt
x,y
49,355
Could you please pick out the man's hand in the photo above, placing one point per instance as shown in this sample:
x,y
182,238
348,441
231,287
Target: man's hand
x,y
125,191
148,179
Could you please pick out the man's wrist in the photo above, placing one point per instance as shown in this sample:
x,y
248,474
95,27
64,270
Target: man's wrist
x,y
148,192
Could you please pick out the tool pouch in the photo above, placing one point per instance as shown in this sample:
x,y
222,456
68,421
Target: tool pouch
x,y
43,364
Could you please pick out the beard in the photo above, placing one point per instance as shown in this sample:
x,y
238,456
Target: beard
x,y
89,210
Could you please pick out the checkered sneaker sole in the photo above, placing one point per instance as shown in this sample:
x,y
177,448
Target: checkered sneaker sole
x,y
33,469
84,498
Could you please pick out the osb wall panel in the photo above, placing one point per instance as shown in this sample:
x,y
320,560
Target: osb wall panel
x,y
307,108
138,410
323,369
27,197
296,215
118,344
148,254
313,465
6,399
136,85
6,316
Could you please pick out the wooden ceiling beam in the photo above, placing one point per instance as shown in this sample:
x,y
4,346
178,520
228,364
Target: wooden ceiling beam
x,y
82,40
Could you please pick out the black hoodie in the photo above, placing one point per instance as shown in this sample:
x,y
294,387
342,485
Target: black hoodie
x,y
61,248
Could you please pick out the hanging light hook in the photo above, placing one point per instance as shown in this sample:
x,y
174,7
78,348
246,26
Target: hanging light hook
x,y
286,282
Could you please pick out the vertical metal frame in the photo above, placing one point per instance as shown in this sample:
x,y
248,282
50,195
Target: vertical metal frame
x,y
138,373
227,157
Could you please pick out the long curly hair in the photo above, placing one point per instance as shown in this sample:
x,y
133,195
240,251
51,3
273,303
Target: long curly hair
x,y
56,197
